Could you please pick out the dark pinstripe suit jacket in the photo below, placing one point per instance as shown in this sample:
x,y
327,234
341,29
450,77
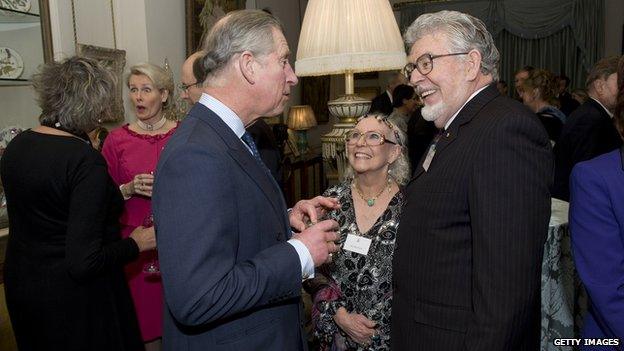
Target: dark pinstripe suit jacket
x,y
470,240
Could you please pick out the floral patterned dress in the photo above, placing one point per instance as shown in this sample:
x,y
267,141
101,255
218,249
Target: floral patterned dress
x,y
359,283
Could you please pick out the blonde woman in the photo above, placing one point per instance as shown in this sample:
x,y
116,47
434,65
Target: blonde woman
x,y
132,152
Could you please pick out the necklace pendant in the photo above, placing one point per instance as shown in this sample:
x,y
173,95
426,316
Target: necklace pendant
x,y
370,202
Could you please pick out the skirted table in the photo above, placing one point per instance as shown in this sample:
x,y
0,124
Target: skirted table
x,y
564,300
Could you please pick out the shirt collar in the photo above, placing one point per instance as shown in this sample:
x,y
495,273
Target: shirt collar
x,y
603,107
225,113
448,123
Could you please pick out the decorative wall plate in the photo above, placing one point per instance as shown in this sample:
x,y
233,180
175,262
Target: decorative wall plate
x,y
11,64
17,5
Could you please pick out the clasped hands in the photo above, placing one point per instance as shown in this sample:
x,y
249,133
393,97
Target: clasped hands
x,y
141,184
319,237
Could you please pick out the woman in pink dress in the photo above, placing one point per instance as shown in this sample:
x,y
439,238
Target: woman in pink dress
x,y
132,152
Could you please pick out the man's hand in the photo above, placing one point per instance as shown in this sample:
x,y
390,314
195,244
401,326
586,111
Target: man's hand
x,y
319,240
357,326
310,211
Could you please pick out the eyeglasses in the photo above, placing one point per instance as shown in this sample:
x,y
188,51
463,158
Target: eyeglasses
x,y
424,64
371,138
185,87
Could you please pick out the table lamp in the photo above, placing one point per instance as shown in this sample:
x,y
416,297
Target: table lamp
x,y
347,37
300,119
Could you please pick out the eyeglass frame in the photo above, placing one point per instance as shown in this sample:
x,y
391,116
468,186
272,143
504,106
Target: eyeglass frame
x,y
383,138
409,68
185,87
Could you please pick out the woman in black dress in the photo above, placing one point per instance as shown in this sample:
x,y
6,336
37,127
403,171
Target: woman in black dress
x,y
64,283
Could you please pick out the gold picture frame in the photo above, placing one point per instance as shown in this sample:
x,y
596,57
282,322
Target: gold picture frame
x,y
115,61
212,10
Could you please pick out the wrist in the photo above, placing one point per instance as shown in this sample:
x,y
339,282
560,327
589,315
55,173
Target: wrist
x,y
125,191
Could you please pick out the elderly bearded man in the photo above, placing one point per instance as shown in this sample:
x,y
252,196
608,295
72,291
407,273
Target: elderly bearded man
x,y
470,241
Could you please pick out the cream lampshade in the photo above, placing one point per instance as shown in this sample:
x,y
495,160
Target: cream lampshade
x,y
300,119
347,36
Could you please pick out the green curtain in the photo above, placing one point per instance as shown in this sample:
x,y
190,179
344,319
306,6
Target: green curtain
x,y
563,36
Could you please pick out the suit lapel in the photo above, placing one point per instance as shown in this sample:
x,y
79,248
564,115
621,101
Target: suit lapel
x,y
239,153
465,115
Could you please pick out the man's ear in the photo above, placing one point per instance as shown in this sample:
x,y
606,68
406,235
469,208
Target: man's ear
x,y
473,64
599,85
247,66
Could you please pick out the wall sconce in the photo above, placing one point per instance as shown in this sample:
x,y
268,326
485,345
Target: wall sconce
x,y
300,119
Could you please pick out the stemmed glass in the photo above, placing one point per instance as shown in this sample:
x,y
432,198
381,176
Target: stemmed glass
x,y
153,266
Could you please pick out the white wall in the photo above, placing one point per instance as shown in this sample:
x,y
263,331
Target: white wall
x,y
147,30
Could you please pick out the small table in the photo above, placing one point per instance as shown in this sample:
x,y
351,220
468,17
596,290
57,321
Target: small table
x,y
564,300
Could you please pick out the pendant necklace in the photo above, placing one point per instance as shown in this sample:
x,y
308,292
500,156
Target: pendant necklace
x,y
151,127
371,201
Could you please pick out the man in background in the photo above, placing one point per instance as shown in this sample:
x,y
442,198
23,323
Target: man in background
x,y
191,80
519,77
589,130
566,102
383,102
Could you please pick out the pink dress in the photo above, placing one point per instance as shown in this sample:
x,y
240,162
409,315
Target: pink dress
x,y
127,154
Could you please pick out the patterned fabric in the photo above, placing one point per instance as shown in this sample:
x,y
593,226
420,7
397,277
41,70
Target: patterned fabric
x,y
564,300
361,284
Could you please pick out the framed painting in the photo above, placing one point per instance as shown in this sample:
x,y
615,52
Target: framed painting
x,y
201,16
114,60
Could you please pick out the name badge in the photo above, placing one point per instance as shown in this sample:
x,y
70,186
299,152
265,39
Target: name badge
x,y
357,244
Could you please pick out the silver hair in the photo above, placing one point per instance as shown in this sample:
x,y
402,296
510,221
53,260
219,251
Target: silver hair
x,y
238,31
161,79
399,170
74,95
464,33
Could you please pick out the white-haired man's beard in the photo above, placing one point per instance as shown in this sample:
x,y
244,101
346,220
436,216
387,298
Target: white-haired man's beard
x,y
432,112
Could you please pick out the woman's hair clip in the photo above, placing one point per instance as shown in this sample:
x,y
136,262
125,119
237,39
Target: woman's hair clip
x,y
384,119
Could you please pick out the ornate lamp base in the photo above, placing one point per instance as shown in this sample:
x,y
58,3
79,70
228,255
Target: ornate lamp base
x,y
347,108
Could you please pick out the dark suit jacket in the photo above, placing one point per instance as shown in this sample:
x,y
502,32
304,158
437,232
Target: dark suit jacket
x,y
381,103
567,102
597,232
230,279
588,132
470,241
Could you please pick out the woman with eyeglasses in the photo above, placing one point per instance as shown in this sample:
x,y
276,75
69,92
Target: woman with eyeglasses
x,y
353,293
132,152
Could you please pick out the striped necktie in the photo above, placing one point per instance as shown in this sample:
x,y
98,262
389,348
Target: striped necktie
x,y
254,150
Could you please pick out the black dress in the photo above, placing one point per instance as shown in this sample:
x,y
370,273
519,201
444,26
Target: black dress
x,y
359,283
64,284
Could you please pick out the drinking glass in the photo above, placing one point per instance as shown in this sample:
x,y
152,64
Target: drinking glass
x,y
152,267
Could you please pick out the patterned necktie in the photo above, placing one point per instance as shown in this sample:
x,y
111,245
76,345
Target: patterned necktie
x,y
432,150
254,150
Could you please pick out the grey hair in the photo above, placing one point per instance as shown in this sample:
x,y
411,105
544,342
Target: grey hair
x,y
74,95
399,170
161,79
464,33
238,31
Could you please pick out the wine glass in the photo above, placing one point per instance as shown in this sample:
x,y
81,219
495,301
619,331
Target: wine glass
x,y
152,267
